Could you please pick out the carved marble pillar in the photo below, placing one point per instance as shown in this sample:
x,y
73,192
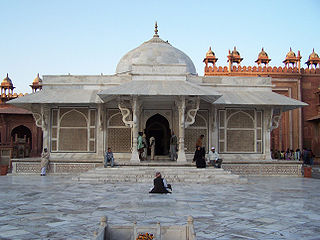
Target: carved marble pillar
x,y
41,115
45,112
100,133
135,124
181,107
272,119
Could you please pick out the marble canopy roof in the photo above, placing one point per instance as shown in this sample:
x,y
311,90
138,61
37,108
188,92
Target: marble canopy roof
x,y
159,88
258,98
59,96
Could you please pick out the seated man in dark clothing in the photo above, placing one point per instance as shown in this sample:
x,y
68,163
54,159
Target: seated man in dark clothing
x,y
160,185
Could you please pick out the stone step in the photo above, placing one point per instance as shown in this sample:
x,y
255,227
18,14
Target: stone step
x,y
119,177
112,172
167,168
146,174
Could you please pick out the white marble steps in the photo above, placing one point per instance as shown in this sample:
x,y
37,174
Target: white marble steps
x,y
146,174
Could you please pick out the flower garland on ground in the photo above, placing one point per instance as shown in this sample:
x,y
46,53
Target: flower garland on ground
x,y
145,236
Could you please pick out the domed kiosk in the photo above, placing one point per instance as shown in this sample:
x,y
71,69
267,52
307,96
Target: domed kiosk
x,y
155,90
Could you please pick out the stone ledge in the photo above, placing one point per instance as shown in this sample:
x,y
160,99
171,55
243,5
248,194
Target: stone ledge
x,y
277,169
55,168
262,168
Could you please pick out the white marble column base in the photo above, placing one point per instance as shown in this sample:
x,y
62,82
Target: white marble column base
x,y
181,157
135,157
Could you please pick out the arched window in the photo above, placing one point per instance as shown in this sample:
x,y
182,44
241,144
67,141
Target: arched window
x,y
240,130
73,130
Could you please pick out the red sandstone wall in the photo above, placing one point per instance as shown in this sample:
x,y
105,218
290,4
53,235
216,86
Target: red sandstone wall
x,y
9,121
291,83
310,84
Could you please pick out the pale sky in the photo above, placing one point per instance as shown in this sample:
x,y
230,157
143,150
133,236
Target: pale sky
x,y
89,37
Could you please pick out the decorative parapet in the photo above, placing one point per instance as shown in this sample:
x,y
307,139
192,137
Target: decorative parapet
x,y
263,70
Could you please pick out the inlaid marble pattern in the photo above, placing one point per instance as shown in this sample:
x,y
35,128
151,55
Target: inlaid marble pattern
x,y
55,207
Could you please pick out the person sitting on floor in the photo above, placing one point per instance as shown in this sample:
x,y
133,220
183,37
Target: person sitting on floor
x,y
160,185
108,158
214,159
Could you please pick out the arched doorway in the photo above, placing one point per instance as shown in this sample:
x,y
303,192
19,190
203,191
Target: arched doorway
x,y
158,127
22,141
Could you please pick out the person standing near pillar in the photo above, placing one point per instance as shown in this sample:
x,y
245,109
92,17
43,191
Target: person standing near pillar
x,y
152,145
44,161
140,146
199,141
173,147
145,147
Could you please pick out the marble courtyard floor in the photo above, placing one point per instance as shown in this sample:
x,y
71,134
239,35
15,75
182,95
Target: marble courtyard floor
x,y
56,207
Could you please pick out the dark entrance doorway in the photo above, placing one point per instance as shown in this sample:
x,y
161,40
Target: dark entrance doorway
x,y
22,141
158,127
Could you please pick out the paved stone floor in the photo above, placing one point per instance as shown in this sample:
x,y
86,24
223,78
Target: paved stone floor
x,y
55,207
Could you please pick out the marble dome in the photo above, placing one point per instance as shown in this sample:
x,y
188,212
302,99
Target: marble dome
x,y
155,52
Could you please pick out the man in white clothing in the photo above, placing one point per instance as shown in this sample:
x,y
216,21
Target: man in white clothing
x,y
213,158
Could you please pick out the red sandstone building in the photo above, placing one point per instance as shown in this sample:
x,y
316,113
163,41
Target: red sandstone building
x,y
19,135
299,128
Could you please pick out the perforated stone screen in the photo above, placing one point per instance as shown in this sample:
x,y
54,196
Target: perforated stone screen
x,y
191,137
73,139
192,133
73,129
240,130
118,135
119,139
240,140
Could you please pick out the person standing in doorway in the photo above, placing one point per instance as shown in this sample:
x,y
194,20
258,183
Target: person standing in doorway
x,y
140,146
44,161
173,147
152,145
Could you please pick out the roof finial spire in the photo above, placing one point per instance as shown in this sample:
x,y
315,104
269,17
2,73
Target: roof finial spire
x,y
156,30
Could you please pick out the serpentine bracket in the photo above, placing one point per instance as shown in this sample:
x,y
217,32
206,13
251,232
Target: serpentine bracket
x,y
275,119
125,114
192,112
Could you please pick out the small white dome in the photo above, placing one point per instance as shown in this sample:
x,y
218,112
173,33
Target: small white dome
x,y
155,52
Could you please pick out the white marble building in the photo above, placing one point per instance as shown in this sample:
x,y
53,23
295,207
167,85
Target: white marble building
x,y
155,89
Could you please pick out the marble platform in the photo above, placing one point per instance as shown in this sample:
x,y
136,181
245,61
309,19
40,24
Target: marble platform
x,y
173,174
56,207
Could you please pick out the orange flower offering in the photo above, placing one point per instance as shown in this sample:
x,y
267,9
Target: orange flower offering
x,y
145,236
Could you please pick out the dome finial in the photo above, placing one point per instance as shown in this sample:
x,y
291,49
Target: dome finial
x,y
156,30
